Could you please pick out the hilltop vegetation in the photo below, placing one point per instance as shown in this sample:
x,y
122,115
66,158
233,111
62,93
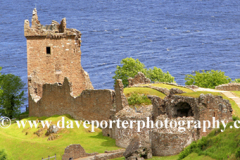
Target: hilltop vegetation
x,y
130,67
207,79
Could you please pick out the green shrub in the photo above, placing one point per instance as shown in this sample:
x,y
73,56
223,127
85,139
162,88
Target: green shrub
x,y
237,154
236,80
136,98
235,118
130,67
157,75
194,147
3,155
207,79
188,150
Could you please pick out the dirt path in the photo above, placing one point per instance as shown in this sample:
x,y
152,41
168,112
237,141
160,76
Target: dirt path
x,y
226,93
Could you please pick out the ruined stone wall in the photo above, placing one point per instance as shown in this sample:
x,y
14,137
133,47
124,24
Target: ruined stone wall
x,y
75,151
56,99
138,79
63,59
171,141
124,136
213,106
202,108
229,87
121,100
166,140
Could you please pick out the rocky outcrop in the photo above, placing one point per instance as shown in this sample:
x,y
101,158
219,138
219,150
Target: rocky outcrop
x,y
138,79
52,129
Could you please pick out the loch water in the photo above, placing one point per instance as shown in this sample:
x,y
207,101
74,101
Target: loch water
x,y
179,36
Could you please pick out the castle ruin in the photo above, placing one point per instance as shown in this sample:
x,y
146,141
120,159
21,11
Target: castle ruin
x,y
57,84
53,53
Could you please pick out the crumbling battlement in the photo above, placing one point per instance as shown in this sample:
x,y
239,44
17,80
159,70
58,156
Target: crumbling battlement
x,y
53,31
229,87
57,100
53,53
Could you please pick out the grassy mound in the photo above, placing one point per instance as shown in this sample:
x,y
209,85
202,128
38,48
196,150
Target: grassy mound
x,y
20,143
145,91
218,145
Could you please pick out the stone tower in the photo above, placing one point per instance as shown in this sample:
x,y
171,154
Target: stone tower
x,y
53,53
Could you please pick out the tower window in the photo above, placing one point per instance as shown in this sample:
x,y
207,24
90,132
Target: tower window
x,y
48,50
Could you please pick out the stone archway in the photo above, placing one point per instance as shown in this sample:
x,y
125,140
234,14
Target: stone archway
x,y
183,109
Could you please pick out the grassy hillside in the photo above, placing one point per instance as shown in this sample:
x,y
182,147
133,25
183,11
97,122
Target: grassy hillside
x,y
20,146
218,145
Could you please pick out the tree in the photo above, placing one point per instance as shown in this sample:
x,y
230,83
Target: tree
x,y
11,97
131,67
157,75
236,80
207,79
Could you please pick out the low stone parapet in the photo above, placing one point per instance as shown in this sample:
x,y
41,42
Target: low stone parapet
x,y
229,87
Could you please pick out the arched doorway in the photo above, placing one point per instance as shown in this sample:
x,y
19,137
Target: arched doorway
x,y
183,109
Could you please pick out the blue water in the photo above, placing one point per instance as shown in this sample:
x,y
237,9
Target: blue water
x,y
179,36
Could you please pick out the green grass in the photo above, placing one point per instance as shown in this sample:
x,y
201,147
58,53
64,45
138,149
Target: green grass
x,y
138,99
218,145
20,146
195,156
146,91
162,85
237,93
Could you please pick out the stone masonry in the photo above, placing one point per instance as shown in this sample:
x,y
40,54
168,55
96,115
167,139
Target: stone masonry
x,y
77,152
168,141
53,53
121,100
138,79
56,99
229,87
